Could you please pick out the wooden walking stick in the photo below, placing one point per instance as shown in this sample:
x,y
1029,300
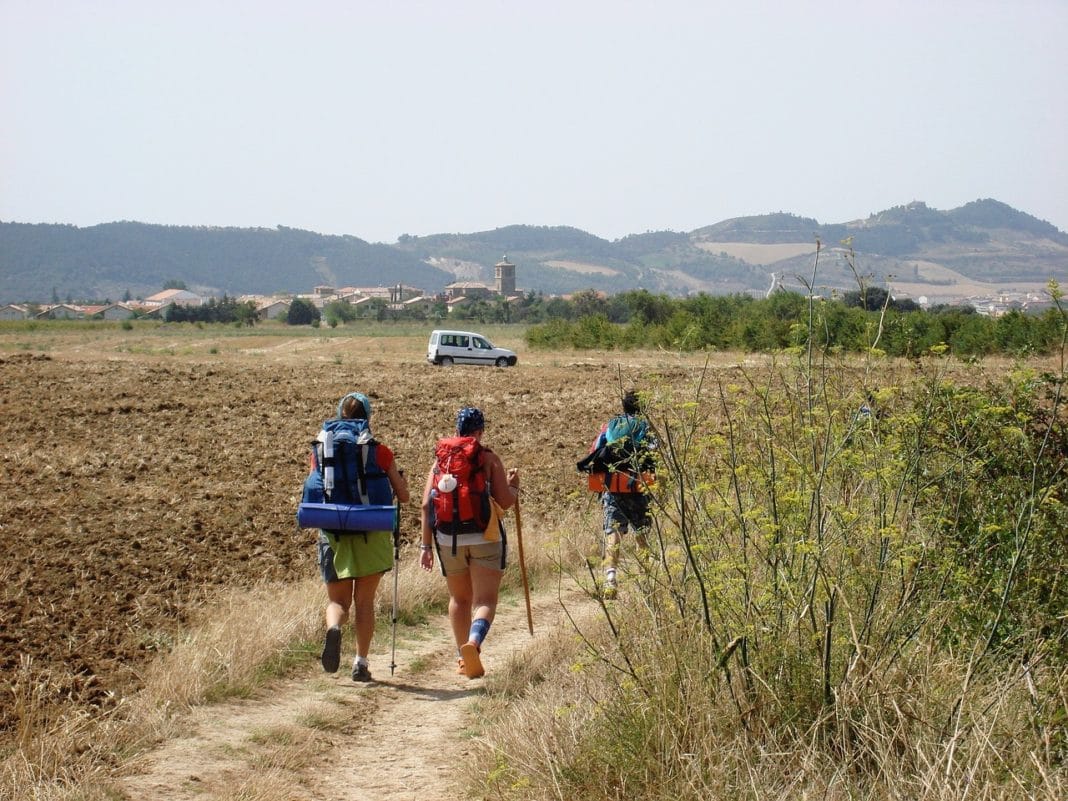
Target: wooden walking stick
x,y
523,567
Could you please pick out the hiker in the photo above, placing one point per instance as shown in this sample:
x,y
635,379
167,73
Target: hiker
x,y
466,490
352,562
623,449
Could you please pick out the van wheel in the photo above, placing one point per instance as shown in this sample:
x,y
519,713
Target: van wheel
x,y
446,361
502,361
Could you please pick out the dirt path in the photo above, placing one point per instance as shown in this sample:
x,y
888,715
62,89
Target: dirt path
x,y
319,736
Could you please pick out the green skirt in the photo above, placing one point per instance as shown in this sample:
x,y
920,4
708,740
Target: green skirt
x,y
355,555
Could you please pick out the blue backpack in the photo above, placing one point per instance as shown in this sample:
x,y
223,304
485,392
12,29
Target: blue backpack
x,y
345,468
626,428
625,447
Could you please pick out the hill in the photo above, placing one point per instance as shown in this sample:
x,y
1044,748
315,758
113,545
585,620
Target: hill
x,y
107,261
982,247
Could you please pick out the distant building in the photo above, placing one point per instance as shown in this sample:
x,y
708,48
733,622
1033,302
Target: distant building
x,y
504,275
112,311
13,311
61,311
454,302
179,297
394,294
470,290
422,302
272,309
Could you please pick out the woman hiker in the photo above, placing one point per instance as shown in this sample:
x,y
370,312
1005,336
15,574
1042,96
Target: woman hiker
x,y
461,525
353,562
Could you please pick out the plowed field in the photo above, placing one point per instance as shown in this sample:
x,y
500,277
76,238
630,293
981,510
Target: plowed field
x,y
142,471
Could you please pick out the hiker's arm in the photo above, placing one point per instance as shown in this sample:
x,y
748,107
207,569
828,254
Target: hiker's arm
x,y
505,486
424,512
426,553
398,482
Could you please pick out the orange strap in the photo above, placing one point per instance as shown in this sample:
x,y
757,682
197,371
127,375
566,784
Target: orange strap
x,y
620,482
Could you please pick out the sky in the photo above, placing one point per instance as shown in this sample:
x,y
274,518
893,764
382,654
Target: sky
x,y
378,119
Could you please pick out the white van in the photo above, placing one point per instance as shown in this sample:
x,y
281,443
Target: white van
x,y
466,347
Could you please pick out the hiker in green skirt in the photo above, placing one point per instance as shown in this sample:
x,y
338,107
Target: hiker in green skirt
x,y
353,562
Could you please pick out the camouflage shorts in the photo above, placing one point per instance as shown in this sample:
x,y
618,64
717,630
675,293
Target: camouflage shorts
x,y
625,511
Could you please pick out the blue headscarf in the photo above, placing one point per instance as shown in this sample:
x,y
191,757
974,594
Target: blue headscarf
x,y
361,398
469,420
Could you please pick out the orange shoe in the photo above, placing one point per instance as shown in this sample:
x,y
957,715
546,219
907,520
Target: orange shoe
x,y
460,666
471,661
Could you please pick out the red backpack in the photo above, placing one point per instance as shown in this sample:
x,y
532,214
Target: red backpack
x,y
460,505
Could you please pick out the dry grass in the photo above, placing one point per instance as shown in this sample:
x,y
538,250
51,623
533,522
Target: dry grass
x,y
242,638
561,729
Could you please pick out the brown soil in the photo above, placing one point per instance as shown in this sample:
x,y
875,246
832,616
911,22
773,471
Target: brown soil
x,y
142,473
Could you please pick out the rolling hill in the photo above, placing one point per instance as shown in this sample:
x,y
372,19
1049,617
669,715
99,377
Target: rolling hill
x,y
983,246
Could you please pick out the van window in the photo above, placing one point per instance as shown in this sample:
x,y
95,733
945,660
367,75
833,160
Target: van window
x,y
461,342
483,344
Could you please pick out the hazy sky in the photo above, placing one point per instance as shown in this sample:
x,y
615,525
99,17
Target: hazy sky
x,y
383,118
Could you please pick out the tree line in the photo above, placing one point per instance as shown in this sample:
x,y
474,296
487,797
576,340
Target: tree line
x,y
858,321
217,310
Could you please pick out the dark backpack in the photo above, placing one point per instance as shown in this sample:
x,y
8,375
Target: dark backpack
x,y
465,508
345,467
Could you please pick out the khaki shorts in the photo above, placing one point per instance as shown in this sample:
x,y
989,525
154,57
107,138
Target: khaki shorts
x,y
490,555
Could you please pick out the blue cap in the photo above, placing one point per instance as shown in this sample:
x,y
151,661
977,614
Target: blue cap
x,y
469,420
361,398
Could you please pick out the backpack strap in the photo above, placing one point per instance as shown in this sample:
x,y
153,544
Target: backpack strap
x,y
361,474
455,517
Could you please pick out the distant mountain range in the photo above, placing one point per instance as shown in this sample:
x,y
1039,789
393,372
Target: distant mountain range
x,y
980,248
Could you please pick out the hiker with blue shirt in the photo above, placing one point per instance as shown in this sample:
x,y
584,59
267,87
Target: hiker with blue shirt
x,y
353,562
622,470
466,490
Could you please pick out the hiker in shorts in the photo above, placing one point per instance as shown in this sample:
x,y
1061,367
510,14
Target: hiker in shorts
x,y
625,501
353,563
473,560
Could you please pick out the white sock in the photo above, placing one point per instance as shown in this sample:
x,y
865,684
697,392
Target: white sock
x,y
610,574
360,660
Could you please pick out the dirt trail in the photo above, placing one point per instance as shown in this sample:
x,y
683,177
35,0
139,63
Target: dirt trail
x,y
318,736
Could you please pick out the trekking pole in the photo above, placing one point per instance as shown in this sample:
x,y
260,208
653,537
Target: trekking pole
x,y
523,567
396,570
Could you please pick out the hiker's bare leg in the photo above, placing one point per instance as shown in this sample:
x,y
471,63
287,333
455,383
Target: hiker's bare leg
x,y
641,540
364,624
460,595
486,585
611,549
338,601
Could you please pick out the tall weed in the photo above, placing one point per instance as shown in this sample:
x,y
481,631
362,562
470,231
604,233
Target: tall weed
x,y
854,590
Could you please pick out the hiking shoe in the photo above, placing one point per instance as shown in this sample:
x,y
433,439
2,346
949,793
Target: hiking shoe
x,y
361,671
331,657
471,661
608,591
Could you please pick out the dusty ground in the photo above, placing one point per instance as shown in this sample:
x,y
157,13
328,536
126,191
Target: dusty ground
x,y
405,736
143,470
